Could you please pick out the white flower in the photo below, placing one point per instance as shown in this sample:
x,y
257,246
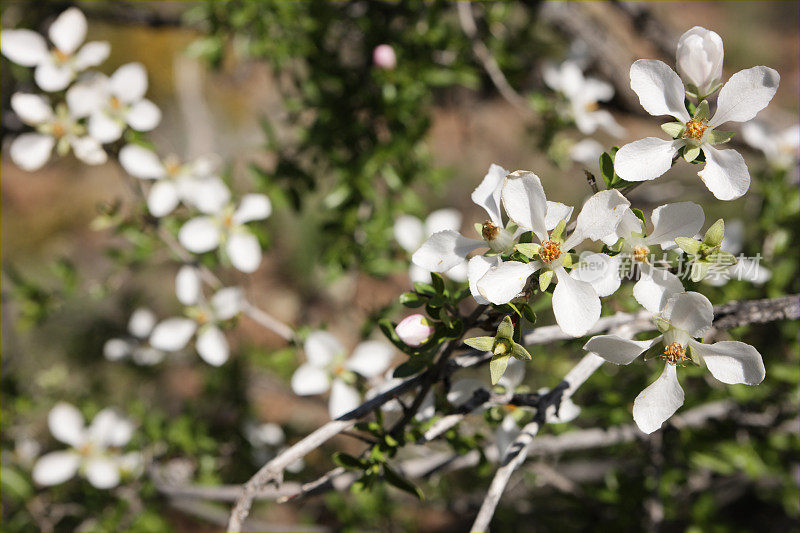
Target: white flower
x,y
113,103
746,268
410,233
57,67
326,369
140,326
583,94
779,146
699,61
57,129
655,285
685,317
575,303
194,183
227,227
202,317
661,92
92,449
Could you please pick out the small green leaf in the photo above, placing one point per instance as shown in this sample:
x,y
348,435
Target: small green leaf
x,y
528,249
640,215
497,367
715,233
411,299
696,359
438,282
545,278
346,460
719,137
413,366
722,257
688,245
479,229
398,481
505,330
528,313
484,344
607,169
518,351
702,113
424,288
673,129
690,153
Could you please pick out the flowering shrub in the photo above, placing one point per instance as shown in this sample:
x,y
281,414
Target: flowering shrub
x,y
613,268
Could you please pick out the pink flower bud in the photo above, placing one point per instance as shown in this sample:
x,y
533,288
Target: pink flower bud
x,y
383,56
414,330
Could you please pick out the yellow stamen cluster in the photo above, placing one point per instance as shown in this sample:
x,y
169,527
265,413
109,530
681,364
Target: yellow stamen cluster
x,y
674,354
61,57
694,130
59,130
591,106
115,103
172,167
550,251
640,253
489,231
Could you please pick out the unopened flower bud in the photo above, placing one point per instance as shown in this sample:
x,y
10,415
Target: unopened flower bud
x,y
414,330
384,57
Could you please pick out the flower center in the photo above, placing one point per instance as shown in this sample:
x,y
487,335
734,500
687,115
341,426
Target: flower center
x,y
202,317
694,130
640,253
115,104
674,354
59,130
550,251
85,449
339,369
61,57
591,106
490,231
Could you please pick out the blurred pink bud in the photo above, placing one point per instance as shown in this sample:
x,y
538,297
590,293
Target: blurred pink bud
x,y
414,330
383,56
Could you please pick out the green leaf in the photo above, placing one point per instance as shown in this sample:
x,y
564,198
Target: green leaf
x,y
528,313
528,249
690,153
545,277
702,113
696,359
688,245
346,460
438,282
497,367
15,484
607,169
722,257
413,366
424,288
673,129
396,480
719,137
411,299
700,271
715,233
484,344
519,352
505,330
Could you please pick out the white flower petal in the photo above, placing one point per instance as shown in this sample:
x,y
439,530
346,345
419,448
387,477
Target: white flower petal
x,y
227,302
503,283
172,334
681,219
244,251
487,194
732,362
23,47
477,267
442,219
659,89
162,198
208,195
109,428
212,346
66,424
142,322
600,215
102,472
188,285
51,77
104,128
68,31
525,202
556,212
371,358
575,304
199,235
252,207
618,350
699,58
92,54
655,287
601,271
725,173
56,467
32,109
344,399
129,82
308,380
659,401
322,348
645,159
747,269
690,312
444,250
419,274
85,98
30,151
745,94
89,150
587,152
147,356
144,115
117,349
458,273
409,232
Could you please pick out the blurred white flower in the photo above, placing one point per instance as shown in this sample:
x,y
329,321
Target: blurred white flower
x,y
201,317
327,365
587,152
56,67
780,146
685,317
583,95
93,450
140,326
268,440
384,57
699,60
116,102
410,233
227,227
57,129
194,183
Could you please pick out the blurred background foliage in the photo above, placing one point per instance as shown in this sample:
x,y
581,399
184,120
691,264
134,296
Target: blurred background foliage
x,y
291,99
